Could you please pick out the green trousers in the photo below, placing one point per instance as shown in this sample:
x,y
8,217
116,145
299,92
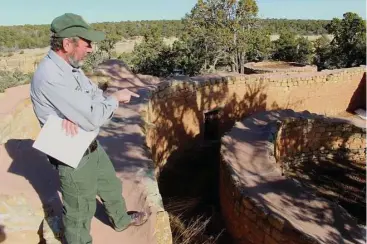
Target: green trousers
x,y
95,175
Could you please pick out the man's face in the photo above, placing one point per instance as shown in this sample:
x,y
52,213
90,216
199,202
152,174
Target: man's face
x,y
77,51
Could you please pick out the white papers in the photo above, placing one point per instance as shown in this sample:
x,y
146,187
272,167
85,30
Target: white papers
x,y
53,141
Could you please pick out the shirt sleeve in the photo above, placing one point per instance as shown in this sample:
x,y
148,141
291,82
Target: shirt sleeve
x,y
97,92
98,95
89,112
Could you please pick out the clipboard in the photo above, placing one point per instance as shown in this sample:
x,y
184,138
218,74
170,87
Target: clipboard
x,y
53,141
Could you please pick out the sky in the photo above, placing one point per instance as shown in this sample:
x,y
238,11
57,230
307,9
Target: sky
x,y
19,12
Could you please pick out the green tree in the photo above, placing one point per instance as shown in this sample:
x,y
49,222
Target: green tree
x,y
206,33
304,51
259,46
349,42
184,56
147,56
322,53
225,31
285,47
290,48
108,44
242,15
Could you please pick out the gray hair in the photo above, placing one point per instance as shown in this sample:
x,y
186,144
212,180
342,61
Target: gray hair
x,y
56,42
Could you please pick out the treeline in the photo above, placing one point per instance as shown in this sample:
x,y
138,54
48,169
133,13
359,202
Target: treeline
x,y
224,35
300,27
37,36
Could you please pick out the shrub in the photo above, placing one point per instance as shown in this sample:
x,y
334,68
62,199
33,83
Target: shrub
x,y
13,78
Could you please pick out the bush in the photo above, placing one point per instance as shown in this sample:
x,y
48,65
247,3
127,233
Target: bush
x,y
11,79
93,60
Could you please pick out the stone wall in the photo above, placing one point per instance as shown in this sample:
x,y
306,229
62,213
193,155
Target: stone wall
x,y
176,111
175,120
263,204
307,139
327,156
250,221
277,66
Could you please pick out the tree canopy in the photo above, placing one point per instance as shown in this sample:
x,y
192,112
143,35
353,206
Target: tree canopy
x,y
225,34
35,36
216,35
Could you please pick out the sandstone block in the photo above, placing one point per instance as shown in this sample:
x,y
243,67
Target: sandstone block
x,y
264,225
276,221
277,235
248,203
269,240
250,214
256,235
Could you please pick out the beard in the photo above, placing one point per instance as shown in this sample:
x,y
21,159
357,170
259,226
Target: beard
x,y
74,62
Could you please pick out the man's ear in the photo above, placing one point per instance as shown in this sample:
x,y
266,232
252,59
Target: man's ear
x,y
67,45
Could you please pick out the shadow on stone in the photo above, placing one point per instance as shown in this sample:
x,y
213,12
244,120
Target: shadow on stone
x,y
36,169
358,99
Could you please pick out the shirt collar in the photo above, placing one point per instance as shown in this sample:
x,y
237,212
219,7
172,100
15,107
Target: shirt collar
x,y
61,63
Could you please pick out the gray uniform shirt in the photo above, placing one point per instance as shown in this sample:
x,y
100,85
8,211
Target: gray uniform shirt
x,y
59,89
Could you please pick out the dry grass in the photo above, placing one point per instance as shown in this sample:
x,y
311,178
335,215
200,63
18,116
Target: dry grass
x,y
309,37
192,231
178,206
24,59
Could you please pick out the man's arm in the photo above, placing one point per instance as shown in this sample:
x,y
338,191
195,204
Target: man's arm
x,y
79,107
97,92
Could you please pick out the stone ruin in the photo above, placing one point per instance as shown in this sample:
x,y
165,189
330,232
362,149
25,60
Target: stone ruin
x,y
294,177
280,164
272,149
277,66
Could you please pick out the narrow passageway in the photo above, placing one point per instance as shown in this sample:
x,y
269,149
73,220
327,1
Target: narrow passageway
x,y
189,187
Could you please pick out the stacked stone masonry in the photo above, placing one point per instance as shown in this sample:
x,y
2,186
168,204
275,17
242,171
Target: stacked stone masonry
x,y
306,139
175,113
331,153
249,217
277,67
249,221
174,120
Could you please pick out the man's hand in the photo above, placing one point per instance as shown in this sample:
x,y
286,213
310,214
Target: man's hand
x,y
69,127
124,95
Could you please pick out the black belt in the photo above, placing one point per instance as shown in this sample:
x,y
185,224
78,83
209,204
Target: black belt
x,y
92,147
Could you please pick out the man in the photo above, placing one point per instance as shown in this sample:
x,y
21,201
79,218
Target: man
x,y
59,87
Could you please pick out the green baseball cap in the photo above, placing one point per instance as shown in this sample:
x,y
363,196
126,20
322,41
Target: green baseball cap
x,y
73,25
